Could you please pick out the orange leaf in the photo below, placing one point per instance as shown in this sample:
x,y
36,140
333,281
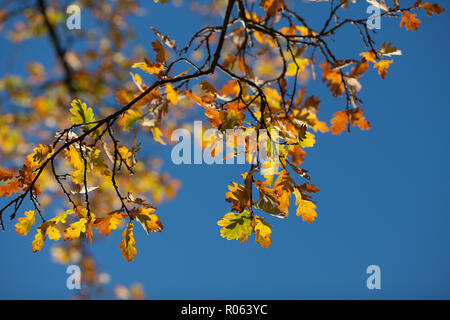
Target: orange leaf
x,y
432,8
369,56
24,225
342,118
231,88
272,6
333,79
11,187
128,242
5,175
409,21
161,55
108,223
382,67
339,122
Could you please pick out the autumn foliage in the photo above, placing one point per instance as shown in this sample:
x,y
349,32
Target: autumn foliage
x,y
250,75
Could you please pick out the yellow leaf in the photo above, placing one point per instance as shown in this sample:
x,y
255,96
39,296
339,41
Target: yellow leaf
x,y
306,209
292,67
157,135
126,155
263,232
272,94
108,223
38,241
24,225
298,197
308,141
53,233
74,157
319,125
149,67
61,218
369,56
128,242
130,118
78,176
75,229
236,226
172,95
269,168
303,30
42,153
150,222
382,67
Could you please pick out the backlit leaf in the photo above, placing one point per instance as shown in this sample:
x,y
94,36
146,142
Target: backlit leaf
x,y
75,230
410,21
263,231
109,223
128,242
24,225
236,226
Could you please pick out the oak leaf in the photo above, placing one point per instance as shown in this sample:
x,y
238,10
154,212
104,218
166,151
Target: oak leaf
x,y
157,135
149,221
382,67
409,21
306,209
129,119
149,67
236,226
24,225
38,241
128,242
161,55
109,223
263,231
299,65
42,153
172,95
10,188
75,230
432,8
5,175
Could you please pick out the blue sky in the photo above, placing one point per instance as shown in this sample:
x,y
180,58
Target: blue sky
x,y
384,198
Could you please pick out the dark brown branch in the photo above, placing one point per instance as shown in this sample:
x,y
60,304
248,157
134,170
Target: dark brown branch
x,y
60,51
109,120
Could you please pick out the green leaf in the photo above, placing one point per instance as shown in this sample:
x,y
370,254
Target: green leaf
x,y
98,163
83,114
130,118
236,226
